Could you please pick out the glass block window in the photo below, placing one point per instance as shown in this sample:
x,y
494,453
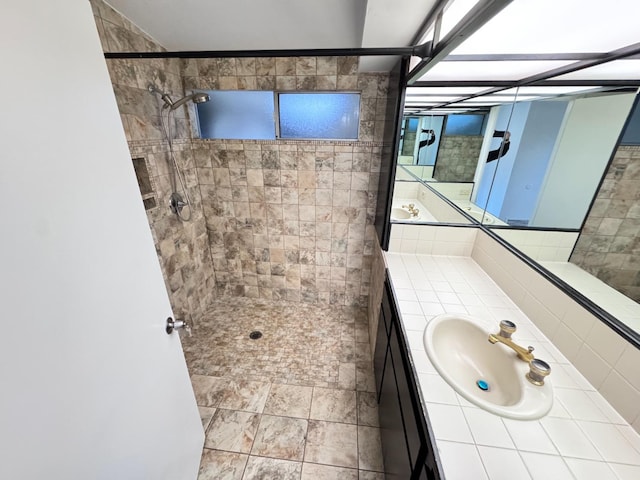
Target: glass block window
x,y
237,114
319,115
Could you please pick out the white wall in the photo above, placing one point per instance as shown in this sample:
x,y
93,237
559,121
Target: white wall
x,y
530,166
84,357
495,175
591,129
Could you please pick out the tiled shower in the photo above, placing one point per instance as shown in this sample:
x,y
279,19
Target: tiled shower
x,y
289,220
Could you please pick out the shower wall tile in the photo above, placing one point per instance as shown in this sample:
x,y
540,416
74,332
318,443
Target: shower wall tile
x,y
275,233
458,158
287,219
182,247
608,244
275,219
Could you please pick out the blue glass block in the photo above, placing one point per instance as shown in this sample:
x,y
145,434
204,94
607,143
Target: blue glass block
x,y
464,124
319,115
237,114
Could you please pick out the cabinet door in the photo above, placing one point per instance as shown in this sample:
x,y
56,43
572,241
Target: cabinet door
x,y
394,446
406,393
380,353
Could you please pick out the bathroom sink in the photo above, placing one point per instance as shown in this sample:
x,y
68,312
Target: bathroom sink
x,y
489,376
479,215
400,214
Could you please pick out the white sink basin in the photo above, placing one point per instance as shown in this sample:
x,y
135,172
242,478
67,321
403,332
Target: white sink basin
x,y
479,215
459,349
400,214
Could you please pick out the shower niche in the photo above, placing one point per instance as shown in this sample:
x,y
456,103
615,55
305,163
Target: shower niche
x,y
144,183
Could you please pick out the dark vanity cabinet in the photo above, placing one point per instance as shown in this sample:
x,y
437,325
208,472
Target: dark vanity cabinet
x,y
407,444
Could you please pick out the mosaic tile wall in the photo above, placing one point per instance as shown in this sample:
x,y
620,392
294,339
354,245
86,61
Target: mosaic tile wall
x,y
287,219
458,158
182,247
609,245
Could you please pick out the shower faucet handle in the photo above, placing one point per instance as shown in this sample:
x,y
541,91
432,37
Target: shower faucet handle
x,y
176,325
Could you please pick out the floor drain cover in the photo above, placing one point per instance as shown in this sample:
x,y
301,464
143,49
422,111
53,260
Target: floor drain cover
x,y
255,335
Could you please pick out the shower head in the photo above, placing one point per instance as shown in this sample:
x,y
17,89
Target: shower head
x,y
197,97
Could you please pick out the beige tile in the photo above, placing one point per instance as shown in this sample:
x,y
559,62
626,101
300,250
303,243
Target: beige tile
x,y
280,437
245,395
232,430
259,468
312,471
289,401
369,449
606,343
333,405
332,444
365,380
367,409
566,341
217,465
628,364
591,365
347,376
622,396
208,390
206,414
370,475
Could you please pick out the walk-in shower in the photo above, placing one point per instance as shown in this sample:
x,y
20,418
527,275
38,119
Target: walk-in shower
x,y
176,201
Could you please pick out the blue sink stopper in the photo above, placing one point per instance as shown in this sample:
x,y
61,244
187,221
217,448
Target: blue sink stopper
x,y
483,385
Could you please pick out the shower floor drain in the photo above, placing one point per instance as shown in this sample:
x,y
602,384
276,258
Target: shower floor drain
x,y
255,335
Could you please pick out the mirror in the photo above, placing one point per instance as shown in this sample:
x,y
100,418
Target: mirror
x,y
538,172
439,156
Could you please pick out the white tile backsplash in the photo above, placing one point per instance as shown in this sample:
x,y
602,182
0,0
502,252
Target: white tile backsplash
x,y
432,240
541,245
628,365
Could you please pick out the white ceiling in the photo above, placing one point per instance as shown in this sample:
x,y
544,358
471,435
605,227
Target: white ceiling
x,y
279,24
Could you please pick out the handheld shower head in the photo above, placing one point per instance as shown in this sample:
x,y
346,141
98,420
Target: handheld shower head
x,y
197,97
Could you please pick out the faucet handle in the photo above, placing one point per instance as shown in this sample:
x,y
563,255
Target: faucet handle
x,y
507,328
538,369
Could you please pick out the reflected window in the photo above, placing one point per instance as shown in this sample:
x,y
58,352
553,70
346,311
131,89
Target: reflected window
x,y
466,124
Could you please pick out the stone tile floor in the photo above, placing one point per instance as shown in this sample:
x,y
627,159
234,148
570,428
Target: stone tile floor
x,y
299,403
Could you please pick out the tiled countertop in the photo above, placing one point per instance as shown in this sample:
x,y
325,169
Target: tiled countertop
x,y
581,438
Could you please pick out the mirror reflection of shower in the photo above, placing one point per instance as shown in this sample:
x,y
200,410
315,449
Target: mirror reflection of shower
x,y
177,201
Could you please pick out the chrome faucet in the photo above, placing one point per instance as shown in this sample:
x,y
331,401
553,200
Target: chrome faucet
x,y
504,336
412,209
